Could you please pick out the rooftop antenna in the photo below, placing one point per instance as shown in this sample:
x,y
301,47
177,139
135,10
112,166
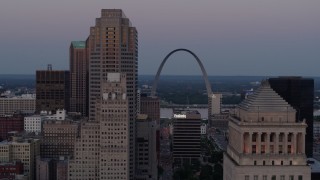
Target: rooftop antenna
x,y
49,67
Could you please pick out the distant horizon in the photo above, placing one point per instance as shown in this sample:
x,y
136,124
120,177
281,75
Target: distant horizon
x,y
188,75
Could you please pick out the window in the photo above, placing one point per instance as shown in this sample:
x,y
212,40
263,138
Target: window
x,y
254,137
282,177
255,163
255,177
291,177
246,177
273,177
264,177
254,149
300,177
272,163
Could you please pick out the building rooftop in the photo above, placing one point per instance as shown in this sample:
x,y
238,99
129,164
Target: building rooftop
x,y
23,96
79,44
265,99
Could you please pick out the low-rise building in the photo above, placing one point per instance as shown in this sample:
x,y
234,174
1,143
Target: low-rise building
x,y
11,170
24,103
10,123
34,123
24,149
203,129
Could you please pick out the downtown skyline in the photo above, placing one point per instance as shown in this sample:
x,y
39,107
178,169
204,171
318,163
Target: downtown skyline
x,y
231,38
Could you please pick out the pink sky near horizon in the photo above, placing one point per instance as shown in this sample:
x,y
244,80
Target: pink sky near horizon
x,y
247,37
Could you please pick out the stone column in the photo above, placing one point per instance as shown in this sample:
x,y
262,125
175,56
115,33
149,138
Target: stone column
x,y
250,143
302,144
267,143
285,143
242,142
258,143
294,143
276,143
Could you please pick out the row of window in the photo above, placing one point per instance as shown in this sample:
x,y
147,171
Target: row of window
x,y
273,177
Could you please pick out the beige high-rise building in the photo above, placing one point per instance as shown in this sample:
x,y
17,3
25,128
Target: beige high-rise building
x,y
265,141
113,47
85,163
25,150
102,151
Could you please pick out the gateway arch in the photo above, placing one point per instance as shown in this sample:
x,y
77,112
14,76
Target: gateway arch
x,y
204,75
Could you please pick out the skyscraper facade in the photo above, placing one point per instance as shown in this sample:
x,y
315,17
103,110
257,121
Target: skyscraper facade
x,y
146,144
79,74
186,137
102,150
52,90
113,115
150,105
299,93
113,48
265,141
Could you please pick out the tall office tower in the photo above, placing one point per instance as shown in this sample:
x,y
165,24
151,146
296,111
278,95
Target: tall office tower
x,y
113,114
79,74
299,93
186,137
52,90
25,150
265,141
150,105
10,123
146,156
113,47
102,151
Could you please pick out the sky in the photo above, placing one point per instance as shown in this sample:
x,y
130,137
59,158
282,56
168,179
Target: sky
x,y
231,37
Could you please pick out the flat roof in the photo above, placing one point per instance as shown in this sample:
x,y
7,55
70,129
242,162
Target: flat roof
x,y
79,44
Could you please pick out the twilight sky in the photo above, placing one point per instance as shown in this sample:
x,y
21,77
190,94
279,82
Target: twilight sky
x,y
231,37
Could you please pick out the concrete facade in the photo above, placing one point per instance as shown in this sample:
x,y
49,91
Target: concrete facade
x,y
102,151
265,141
113,47
59,138
9,106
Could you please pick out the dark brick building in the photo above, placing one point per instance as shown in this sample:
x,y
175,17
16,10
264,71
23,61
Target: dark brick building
x,y
10,123
52,90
